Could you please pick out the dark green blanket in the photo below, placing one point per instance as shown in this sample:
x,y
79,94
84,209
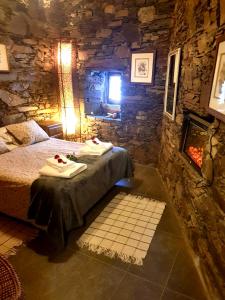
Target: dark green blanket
x,y
60,204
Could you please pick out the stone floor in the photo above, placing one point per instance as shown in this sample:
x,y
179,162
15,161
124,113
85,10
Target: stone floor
x,y
168,272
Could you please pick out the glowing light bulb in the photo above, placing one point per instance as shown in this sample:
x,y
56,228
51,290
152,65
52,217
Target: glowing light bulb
x,y
68,120
65,57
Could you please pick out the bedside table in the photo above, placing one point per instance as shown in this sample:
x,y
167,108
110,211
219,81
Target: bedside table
x,y
52,128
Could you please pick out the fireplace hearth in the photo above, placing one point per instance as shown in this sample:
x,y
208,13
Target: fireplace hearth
x,y
194,140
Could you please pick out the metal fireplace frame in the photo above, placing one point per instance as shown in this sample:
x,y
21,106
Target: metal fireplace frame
x,y
197,121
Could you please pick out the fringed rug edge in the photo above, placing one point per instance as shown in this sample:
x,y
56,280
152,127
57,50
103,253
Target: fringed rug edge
x,y
110,253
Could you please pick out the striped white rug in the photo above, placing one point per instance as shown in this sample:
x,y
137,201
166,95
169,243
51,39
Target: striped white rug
x,y
125,228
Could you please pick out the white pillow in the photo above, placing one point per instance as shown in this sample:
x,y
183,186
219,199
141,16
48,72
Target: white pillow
x,y
27,133
3,147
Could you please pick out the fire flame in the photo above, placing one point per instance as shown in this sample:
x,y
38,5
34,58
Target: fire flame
x,y
196,154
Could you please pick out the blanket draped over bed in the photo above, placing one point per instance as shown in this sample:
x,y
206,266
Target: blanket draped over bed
x,y
56,203
60,204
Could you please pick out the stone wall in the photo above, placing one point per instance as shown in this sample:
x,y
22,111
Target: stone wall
x,y
28,90
200,202
106,33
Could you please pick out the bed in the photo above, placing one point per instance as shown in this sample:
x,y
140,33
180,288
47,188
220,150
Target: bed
x,y
57,204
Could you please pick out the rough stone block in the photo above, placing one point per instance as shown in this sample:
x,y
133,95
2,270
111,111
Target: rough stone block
x,y
19,86
150,37
82,55
122,13
88,13
14,118
22,49
18,25
2,16
20,56
131,32
12,76
104,33
214,141
11,99
75,33
122,52
46,111
203,43
47,67
27,108
147,14
207,169
142,118
109,9
140,2
115,24
222,12
31,42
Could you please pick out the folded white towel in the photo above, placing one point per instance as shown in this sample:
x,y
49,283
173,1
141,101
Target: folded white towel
x,y
69,173
60,166
98,144
86,150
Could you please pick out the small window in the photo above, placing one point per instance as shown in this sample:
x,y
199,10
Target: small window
x,y
114,90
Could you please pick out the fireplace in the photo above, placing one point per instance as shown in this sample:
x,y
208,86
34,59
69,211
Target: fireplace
x,y
194,140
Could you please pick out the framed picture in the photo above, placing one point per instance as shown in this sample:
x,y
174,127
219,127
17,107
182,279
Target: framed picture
x,y
172,80
4,65
216,103
142,67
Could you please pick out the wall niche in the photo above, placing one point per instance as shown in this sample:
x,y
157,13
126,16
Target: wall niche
x,y
102,93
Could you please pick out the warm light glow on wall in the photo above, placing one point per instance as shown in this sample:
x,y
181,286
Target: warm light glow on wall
x,y
66,87
44,3
65,57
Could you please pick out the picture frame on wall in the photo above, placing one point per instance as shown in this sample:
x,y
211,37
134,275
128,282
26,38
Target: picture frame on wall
x,y
172,82
216,93
142,67
4,64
